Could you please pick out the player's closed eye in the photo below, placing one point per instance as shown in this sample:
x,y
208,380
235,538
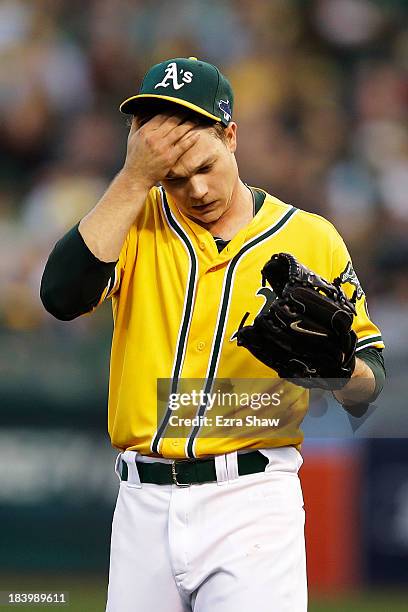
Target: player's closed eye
x,y
205,169
179,179
175,179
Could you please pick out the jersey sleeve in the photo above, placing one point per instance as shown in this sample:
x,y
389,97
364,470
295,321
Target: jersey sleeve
x,y
129,248
368,333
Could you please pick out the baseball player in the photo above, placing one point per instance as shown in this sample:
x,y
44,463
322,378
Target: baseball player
x,y
202,522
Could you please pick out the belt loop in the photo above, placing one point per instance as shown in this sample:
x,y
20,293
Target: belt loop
x,y
221,469
232,465
133,475
118,466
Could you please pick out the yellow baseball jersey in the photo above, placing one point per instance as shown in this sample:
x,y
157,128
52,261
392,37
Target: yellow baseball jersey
x,y
177,304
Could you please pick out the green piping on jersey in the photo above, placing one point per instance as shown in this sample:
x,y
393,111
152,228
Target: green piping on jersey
x,y
186,318
365,342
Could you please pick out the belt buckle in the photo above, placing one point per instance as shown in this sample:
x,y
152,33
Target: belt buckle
x,y
174,475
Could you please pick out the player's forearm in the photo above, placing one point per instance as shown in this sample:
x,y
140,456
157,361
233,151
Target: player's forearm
x,y
106,226
360,388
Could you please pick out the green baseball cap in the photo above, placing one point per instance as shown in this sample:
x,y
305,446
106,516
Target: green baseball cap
x,y
188,82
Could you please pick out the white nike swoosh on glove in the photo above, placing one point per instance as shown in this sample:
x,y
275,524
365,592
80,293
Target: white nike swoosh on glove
x,y
295,325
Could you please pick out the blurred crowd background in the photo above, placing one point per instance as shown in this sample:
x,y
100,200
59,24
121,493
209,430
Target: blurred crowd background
x,y
321,103
321,99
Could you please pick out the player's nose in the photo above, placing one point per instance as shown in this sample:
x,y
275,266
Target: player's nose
x,y
198,188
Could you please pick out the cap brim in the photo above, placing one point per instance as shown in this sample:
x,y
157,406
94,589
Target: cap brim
x,y
129,106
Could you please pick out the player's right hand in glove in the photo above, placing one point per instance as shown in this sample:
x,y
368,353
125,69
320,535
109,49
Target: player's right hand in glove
x,y
306,333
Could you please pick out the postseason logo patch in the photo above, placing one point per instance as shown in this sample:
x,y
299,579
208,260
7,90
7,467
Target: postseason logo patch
x,y
225,107
349,276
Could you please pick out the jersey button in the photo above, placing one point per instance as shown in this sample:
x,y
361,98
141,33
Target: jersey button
x,y
202,246
200,346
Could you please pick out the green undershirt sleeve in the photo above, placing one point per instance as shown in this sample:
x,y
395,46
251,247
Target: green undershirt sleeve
x,y
73,278
374,358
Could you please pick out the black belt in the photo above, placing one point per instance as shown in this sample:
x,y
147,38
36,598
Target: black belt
x,y
185,472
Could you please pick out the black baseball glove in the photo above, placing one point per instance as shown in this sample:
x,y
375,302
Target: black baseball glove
x,y
306,332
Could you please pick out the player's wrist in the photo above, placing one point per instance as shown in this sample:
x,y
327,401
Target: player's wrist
x,y
135,182
361,369
359,389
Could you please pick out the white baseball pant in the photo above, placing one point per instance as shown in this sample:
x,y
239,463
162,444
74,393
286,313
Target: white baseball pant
x,y
235,545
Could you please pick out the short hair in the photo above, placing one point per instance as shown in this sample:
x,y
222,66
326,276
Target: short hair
x,y
146,111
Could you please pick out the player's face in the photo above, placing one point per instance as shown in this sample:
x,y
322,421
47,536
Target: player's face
x,y
205,178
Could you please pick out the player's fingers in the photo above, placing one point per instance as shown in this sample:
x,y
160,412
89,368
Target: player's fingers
x,y
161,125
166,134
147,126
153,123
166,120
179,132
172,122
185,144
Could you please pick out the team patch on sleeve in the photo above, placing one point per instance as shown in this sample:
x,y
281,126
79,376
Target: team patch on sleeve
x,y
349,276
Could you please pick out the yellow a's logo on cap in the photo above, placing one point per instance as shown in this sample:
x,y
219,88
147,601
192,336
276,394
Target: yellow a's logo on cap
x,y
171,74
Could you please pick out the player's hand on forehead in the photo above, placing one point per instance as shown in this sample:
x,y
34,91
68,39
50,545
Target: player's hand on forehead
x,y
154,147
172,130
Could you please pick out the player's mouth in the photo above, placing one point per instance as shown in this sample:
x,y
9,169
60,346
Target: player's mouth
x,y
203,207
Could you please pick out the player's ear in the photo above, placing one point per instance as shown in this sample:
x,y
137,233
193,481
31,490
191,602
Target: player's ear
x,y
231,136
